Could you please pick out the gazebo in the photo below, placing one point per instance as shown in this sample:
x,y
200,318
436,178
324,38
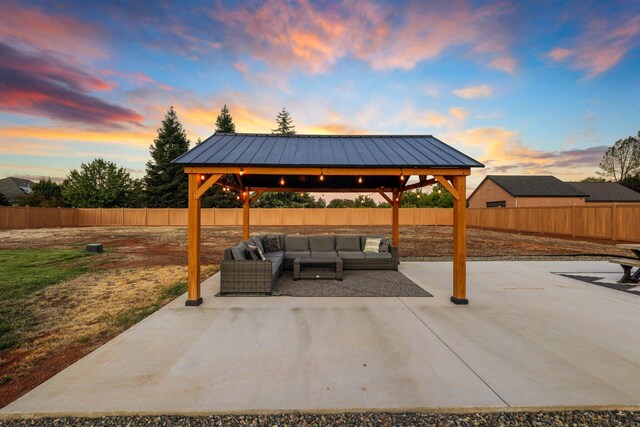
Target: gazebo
x,y
384,164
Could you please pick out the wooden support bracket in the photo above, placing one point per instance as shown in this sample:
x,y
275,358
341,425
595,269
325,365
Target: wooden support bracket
x,y
387,198
255,196
447,185
206,185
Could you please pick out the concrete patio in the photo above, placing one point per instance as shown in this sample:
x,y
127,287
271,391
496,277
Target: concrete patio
x,y
529,338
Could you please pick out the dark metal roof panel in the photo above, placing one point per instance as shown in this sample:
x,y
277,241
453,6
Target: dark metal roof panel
x,y
535,186
607,192
325,151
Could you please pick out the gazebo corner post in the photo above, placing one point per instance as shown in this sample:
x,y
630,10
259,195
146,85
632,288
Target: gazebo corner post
x,y
460,242
193,242
395,221
245,213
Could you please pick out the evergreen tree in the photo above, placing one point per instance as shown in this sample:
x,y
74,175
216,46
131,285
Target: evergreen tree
x,y
224,122
285,124
99,184
3,200
286,200
166,183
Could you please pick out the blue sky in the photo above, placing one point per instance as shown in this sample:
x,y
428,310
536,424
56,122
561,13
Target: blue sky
x,y
539,88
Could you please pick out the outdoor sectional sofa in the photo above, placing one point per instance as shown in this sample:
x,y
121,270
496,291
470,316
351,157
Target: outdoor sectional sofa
x,y
241,275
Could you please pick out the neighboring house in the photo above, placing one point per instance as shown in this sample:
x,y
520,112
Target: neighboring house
x,y
15,189
524,191
607,192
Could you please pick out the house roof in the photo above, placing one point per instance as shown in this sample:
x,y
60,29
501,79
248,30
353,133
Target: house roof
x,y
606,192
13,187
252,149
535,186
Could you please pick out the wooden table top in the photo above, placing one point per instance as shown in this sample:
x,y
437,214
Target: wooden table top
x,y
629,246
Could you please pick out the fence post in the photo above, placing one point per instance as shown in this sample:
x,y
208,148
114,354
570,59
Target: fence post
x,y
573,221
100,217
146,219
614,220
58,218
122,216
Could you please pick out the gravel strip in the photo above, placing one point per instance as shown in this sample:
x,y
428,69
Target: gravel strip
x,y
569,418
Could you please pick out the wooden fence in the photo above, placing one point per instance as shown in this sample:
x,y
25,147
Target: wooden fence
x,y
599,221
14,217
609,221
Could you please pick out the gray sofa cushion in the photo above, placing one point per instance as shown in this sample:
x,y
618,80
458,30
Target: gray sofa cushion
x,y
348,243
258,242
295,254
377,255
275,256
323,254
322,243
238,251
296,243
351,254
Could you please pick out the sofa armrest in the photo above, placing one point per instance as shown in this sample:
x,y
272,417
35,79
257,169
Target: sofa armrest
x,y
248,276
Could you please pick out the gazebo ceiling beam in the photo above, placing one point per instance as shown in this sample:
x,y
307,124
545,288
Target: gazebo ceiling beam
x,y
320,190
366,171
418,184
387,198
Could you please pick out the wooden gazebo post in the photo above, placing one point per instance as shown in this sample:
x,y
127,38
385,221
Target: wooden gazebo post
x,y
245,213
460,241
193,291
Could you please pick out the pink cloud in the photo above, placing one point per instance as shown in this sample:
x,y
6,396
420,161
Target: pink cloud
x,y
313,37
51,32
44,86
601,45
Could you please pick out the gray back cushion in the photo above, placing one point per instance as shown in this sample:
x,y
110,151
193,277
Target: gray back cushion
x,y
258,242
322,243
348,243
296,243
239,251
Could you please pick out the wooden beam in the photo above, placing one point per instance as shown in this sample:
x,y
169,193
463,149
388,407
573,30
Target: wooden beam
x,y
460,243
387,198
320,190
206,185
263,170
395,224
450,188
239,178
226,183
418,184
193,244
255,195
245,214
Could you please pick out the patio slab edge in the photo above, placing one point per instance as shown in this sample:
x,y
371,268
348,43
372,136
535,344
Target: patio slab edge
x,y
418,410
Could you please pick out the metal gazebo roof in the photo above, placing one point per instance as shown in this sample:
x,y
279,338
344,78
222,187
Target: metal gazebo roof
x,y
371,151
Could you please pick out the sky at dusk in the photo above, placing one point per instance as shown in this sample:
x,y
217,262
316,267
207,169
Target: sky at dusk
x,y
539,87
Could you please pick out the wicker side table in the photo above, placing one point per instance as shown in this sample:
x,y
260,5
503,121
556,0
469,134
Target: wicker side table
x,y
324,268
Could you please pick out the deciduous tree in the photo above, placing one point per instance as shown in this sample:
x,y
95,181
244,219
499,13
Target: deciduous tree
x,y
622,160
3,200
99,184
46,193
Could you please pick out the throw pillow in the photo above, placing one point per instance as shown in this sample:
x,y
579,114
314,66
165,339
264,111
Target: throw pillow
x,y
257,252
385,244
372,245
239,251
271,243
252,253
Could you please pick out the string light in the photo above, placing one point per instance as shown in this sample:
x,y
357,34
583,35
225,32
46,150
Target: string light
x,y
202,177
237,197
241,171
359,180
281,180
321,175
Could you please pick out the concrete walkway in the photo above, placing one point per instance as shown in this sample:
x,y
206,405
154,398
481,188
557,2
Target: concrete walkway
x,y
530,338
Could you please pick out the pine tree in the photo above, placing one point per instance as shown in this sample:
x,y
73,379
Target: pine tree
x,y
224,122
166,183
285,124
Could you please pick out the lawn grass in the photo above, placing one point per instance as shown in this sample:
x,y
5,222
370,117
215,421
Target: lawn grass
x,y
25,273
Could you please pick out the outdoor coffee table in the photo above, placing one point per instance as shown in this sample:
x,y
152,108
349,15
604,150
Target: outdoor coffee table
x,y
635,248
317,268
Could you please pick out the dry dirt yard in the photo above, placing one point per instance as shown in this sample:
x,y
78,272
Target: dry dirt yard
x,y
143,268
